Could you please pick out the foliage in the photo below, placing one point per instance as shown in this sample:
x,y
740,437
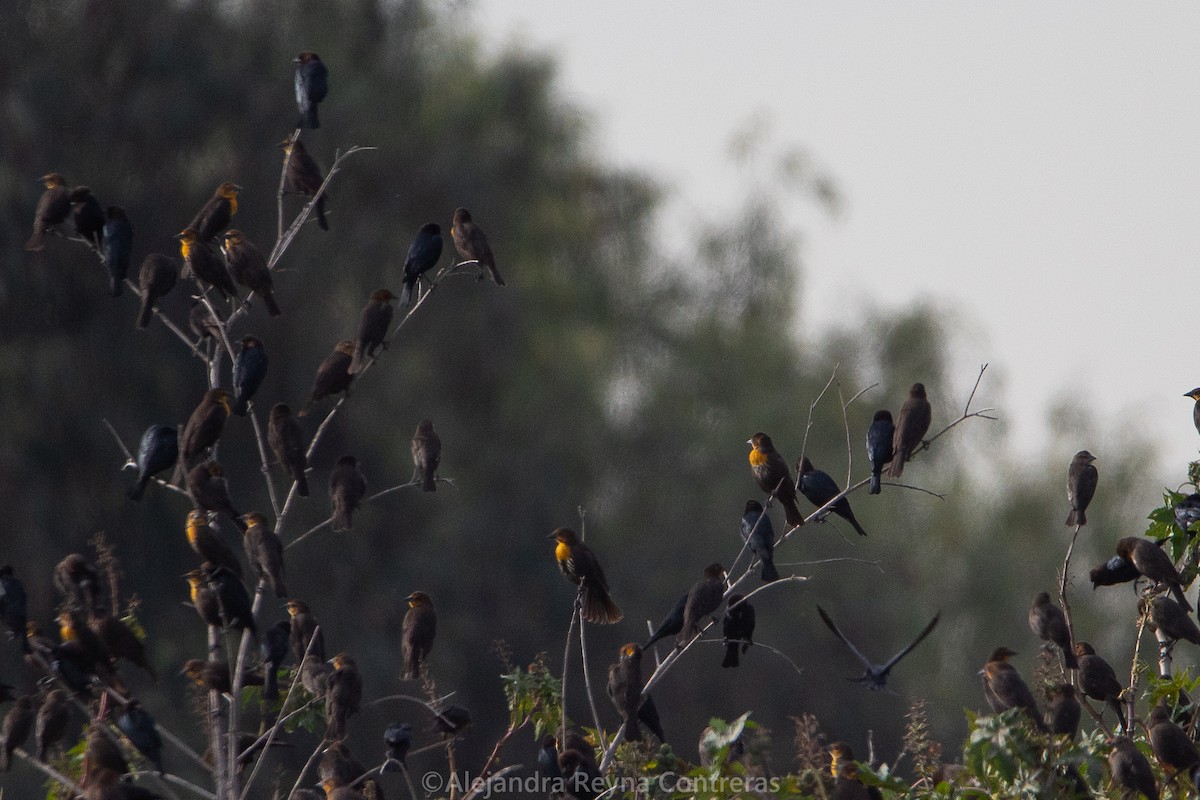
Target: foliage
x,y
535,695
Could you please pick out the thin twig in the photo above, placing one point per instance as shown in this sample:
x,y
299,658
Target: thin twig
x,y
774,650
266,461
1062,590
583,655
832,561
562,685
811,407
49,770
915,489
328,522
983,413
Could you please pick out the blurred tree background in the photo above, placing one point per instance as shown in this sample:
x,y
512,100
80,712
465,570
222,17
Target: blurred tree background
x,y
609,375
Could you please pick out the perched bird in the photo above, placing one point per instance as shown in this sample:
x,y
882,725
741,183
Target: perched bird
x,y
304,628
1098,680
138,726
118,246
214,676
759,535
314,675
204,427
158,451
580,775
1081,486
101,752
53,716
1064,711
1131,769
1173,748
472,244
287,443
1194,393
398,739
1115,570
880,437
373,325
264,551
249,370
347,487
204,599
875,675
120,640
87,217
17,725
72,629
450,720
420,626
312,83
335,792
339,764
671,624
578,564
847,784
1049,624
53,207
423,255
737,629
1170,618
200,261
1005,689
625,688
14,606
343,695
217,213
820,488
221,599
208,545
203,323
703,600
911,427
156,277
249,268
77,579
1187,512
773,477
301,176
427,455
548,759
274,649
1153,563
206,484
333,376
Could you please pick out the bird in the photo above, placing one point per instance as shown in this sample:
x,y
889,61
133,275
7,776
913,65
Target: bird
x,y
449,720
264,551
1153,563
249,370
844,770
419,629
737,629
314,675
398,738
333,375
206,484
1187,512
14,606
581,777
216,214
704,599
671,624
301,176
1169,618
220,599
18,724
156,277
1081,486
204,426
51,722
1173,748
426,455
625,688
335,792
157,451
343,695
1049,623
1005,689
312,83
548,759
53,207
201,263
423,255
77,579
1098,680
307,638
1194,393
1115,570
118,246
347,487
274,649
911,427
340,764
373,325
773,477
1063,711
759,535
287,443
1131,769
875,675
819,487
579,565
203,323
879,447
214,676
138,726
87,217
249,268
120,640
472,244
101,752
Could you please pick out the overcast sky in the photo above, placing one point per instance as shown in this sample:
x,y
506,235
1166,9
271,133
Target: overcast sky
x,y
1034,166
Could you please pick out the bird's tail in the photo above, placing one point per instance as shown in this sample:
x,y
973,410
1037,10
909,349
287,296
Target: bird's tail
x,y
310,118
1076,517
269,301
114,286
406,293
270,682
321,213
896,468
356,361
1119,708
791,512
301,483
146,311
731,655
876,484
1069,659
342,517
850,518
769,573
429,483
136,491
277,585
598,607
241,406
495,274
1177,590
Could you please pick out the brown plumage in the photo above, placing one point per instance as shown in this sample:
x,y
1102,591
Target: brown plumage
x,y
625,688
427,455
120,640
102,753
333,376
249,268
303,177
53,207
53,716
340,765
578,564
347,487
703,600
420,627
156,277
1063,711
264,551
204,427
217,213
206,484
1081,486
911,427
1130,769
343,695
304,628
771,472
1170,618
214,675
201,262
1005,689
1173,748
1049,623
1098,680
208,544
844,771
17,725
472,244
287,443
1152,562
77,579
373,324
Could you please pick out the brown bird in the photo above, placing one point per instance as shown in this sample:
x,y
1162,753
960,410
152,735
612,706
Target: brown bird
x,y
347,486
420,626
1153,563
264,551
214,675
17,725
287,443
302,176
101,752
333,376
911,427
216,214
579,565
208,545
625,688
1131,769
1081,486
1170,618
343,696
471,243
427,455
373,325
304,628
340,764
201,262
52,719
1173,748
77,579
314,675
771,472
335,792
847,784
703,600
88,217
1005,689
120,640
1064,711
1098,680
53,207
156,277
1049,624
206,484
204,427
249,268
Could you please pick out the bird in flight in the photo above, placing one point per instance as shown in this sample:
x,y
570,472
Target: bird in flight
x,y
876,675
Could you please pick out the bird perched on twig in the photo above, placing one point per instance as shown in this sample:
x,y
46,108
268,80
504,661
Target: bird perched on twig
x,y
625,688
1005,689
373,324
264,551
419,629
287,443
312,84
703,600
911,427
343,695
472,244
158,451
333,375
1194,393
819,487
759,535
118,246
737,629
301,176
423,255
426,455
671,624
1153,563
88,217
1098,680
579,565
249,370
204,427
773,477
347,487
1081,486
1130,769
249,268
53,207
1049,623
880,438
215,215
156,277
875,675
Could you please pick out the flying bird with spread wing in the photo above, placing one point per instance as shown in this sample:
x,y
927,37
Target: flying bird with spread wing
x,y
876,675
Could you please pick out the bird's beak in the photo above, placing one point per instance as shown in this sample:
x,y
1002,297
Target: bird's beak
x,y
749,441
552,536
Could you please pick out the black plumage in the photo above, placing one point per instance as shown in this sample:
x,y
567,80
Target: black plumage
x,y
819,487
737,629
423,255
118,247
312,84
158,451
880,447
759,535
249,370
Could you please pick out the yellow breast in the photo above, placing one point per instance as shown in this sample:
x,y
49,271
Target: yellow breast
x,y
563,551
757,457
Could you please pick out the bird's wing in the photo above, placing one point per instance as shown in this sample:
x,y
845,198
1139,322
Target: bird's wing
x,y
842,636
932,623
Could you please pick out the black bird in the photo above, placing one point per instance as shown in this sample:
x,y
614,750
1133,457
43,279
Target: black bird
x,y
876,675
119,638
156,277
427,455
158,451
14,606
1115,570
87,217
312,84
1153,563
221,599
398,739
287,443
203,264
118,246
548,758
1081,486
1187,512
249,369
820,488
704,599
450,720
671,624
138,726
625,688
1194,393
347,486
879,447
210,492
737,629
274,648
1064,711
757,531
1049,623
423,255
648,716
373,325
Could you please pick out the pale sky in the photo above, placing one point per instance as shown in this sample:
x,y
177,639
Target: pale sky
x,y
1033,166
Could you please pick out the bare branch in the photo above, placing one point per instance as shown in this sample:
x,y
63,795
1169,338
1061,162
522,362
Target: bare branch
x,y
811,407
587,678
328,522
915,489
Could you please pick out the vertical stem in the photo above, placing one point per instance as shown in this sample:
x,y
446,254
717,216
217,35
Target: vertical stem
x,y
587,679
566,657
1062,592
216,716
